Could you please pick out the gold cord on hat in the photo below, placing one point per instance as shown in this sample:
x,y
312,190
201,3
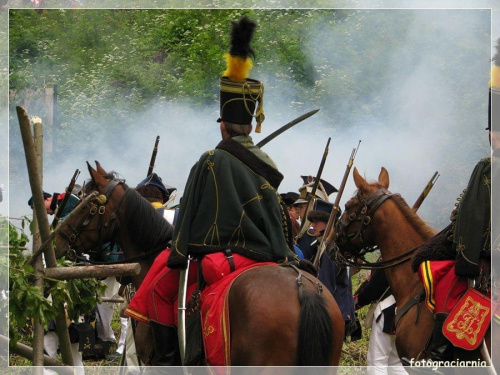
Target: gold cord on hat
x,y
259,97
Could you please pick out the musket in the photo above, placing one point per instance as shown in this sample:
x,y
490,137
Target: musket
x,y
285,127
329,234
153,156
67,194
425,192
312,197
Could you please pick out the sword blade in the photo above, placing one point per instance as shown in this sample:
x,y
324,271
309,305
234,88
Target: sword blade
x,y
284,128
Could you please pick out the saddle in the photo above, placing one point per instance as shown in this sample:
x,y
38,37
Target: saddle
x,y
468,308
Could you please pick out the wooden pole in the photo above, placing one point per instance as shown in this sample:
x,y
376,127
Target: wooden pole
x,y
88,272
27,352
38,331
53,234
43,222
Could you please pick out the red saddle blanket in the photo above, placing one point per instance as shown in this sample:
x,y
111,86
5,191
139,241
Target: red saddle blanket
x,y
215,318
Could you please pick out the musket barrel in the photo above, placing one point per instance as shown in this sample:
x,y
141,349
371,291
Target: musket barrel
x,y
426,191
329,233
153,156
68,191
312,197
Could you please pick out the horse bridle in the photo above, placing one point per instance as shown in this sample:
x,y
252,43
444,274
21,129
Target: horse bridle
x,y
347,249
96,207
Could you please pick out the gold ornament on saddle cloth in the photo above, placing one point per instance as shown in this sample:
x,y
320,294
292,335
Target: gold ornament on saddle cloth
x,y
468,322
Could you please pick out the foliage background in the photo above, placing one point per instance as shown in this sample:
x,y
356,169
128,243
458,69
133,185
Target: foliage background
x,y
410,83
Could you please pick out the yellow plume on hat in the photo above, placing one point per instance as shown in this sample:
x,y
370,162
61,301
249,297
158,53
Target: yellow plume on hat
x,y
240,95
238,58
238,68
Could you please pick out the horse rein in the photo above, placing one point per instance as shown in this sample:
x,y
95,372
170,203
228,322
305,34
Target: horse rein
x,y
97,206
369,206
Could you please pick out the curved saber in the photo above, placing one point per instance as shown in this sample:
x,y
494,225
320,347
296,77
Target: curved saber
x,y
284,128
181,312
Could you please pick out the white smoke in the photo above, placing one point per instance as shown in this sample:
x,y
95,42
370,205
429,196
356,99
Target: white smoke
x,y
414,138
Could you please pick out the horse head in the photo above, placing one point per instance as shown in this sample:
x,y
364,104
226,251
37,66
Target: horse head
x,y
355,236
98,222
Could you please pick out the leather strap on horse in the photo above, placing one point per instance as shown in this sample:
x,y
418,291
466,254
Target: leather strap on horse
x,y
408,305
299,282
366,265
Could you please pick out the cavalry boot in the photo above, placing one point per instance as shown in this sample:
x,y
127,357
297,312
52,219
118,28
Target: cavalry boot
x,y
440,349
165,344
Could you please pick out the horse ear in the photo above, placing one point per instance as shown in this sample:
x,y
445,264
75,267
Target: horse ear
x,y
100,169
383,178
359,181
97,177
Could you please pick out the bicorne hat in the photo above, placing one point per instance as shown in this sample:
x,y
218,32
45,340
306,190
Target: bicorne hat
x,y
289,198
45,196
324,189
153,180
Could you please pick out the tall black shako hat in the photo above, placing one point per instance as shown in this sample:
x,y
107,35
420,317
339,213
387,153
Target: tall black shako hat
x,y
240,95
494,95
321,211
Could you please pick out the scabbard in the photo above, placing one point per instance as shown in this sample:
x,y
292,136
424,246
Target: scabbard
x,y
181,311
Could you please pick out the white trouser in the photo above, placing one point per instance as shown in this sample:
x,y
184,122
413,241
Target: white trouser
x,y
51,344
123,334
131,360
105,311
382,348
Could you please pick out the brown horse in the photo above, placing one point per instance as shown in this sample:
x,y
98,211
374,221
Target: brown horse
x,y
268,324
376,217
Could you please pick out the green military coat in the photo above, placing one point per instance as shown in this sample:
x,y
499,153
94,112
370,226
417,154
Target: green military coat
x,y
471,236
231,202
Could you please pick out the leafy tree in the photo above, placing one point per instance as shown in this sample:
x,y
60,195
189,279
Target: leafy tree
x,y
27,301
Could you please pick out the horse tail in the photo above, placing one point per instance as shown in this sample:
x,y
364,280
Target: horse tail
x,y
315,331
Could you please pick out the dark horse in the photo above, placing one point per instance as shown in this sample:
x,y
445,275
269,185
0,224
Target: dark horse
x,y
269,327
375,216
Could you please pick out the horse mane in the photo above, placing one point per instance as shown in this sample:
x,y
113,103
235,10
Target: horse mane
x,y
416,221
147,229
420,226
